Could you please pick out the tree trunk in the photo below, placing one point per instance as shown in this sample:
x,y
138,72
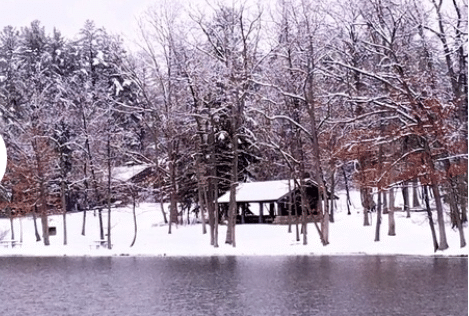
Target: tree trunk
x,y
415,196
297,219
209,196
83,226
391,223
36,231
378,216
325,229
391,209
202,205
443,244
135,221
391,199
165,219
44,218
367,201
45,229
447,51
64,221
12,228
304,209
93,176
109,192
464,212
455,214
430,217
347,190
231,216
310,89
366,217
215,224
452,192
173,211
331,217
405,196
289,206
101,224
84,222
21,230
64,215
109,245
462,194
171,207
42,194
86,200
230,232
297,222
385,202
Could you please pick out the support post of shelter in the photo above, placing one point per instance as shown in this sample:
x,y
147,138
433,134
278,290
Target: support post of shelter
x,y
272,209
243,213
261,212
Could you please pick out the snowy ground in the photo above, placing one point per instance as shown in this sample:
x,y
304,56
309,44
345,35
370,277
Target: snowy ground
x,y
348,236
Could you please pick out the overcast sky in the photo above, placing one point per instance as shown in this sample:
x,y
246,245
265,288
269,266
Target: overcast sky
x,y
68,16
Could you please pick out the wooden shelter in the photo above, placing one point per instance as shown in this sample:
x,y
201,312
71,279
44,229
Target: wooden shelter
x,y
271,201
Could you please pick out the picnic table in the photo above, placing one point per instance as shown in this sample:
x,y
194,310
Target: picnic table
x,y
10,243
100,243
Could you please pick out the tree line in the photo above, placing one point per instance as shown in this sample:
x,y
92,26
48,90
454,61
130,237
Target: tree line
x,y
369,91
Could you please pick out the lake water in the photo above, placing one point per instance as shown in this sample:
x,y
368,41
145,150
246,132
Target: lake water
x,y
349,285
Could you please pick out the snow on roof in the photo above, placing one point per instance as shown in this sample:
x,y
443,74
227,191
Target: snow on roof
x,y
259,191
125,173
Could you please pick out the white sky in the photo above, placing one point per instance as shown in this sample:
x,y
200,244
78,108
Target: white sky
x,y
68,16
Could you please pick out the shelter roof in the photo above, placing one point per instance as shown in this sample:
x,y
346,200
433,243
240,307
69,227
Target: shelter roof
x,y
263,191
126,173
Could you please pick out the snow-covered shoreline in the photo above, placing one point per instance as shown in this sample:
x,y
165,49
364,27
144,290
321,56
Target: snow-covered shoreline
x,y
348,236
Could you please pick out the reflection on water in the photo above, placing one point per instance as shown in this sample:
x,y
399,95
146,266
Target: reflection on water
x,y
234,286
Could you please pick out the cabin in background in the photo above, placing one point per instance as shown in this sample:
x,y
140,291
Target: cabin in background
x,y
132,173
